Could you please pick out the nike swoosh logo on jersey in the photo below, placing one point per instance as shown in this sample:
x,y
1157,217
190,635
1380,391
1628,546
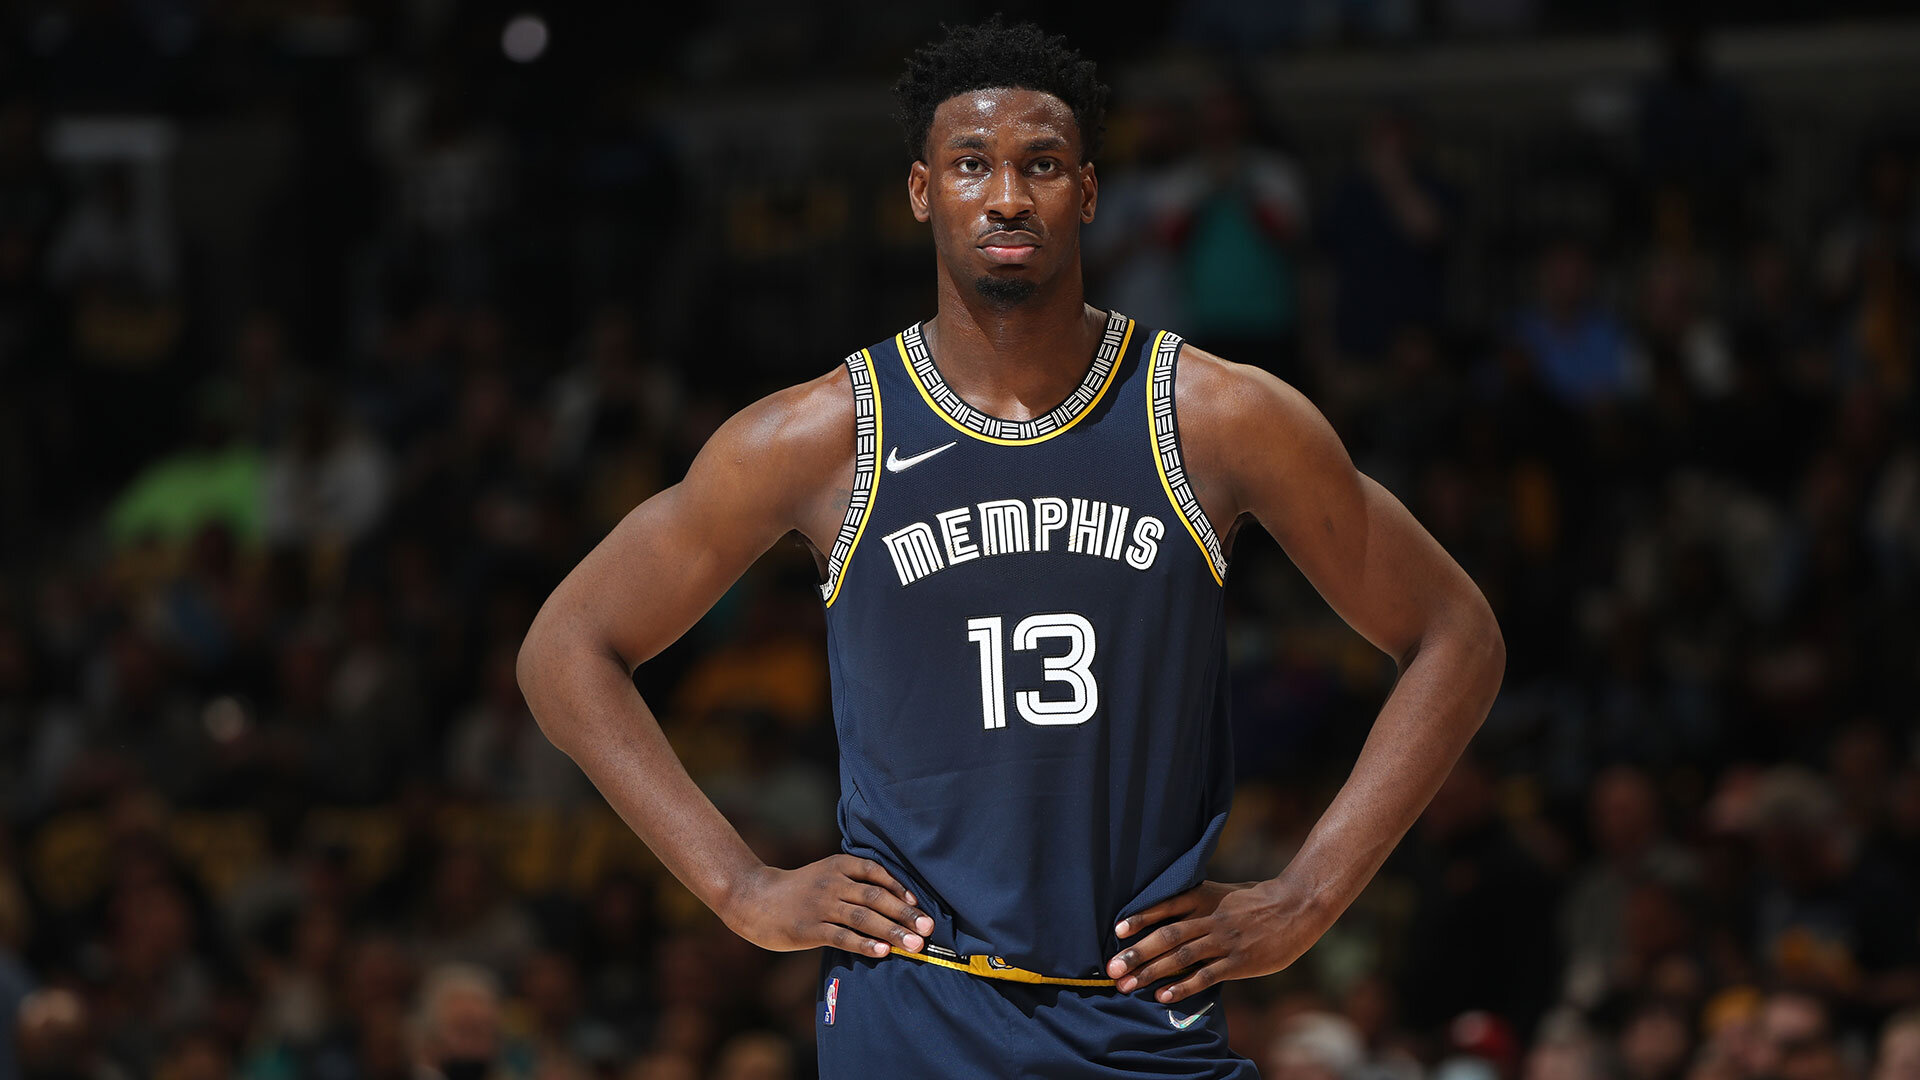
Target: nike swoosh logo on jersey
x,y
896,463
1185,1022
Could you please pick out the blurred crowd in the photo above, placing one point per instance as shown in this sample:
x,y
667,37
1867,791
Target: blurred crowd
x,y
330,340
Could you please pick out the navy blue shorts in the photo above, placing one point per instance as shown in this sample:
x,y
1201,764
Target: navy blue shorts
x,y
896,1017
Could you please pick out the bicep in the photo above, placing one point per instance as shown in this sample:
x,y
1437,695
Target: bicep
x,y
667,562
1357,544
672,557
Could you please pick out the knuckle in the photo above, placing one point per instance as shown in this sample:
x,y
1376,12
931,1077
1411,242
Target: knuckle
x,y
1183,955
872,895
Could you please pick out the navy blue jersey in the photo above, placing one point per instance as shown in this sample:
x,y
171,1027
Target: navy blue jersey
x,y
1024,628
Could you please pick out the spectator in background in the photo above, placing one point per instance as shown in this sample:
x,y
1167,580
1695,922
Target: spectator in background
x,y
1387,232
566,1040
1130,247
1825,917
1478,935
328,485
1315,1046
1236,214
468,918
1655,1043
1869,271
1578,345
1630,847
1564,1049
496,749
1794,1039
1898,1056
457,1027
56,1039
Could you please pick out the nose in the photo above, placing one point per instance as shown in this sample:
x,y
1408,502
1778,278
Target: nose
x,y
1008,197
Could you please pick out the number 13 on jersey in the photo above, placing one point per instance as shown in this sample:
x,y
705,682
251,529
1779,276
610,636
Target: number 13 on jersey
x,y
1074,668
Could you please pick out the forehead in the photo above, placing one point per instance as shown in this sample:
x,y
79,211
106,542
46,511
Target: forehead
x,y
1002,112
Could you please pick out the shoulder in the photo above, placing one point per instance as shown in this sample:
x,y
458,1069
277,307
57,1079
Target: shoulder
x,y
1242,429
815,415
784,447
1214,394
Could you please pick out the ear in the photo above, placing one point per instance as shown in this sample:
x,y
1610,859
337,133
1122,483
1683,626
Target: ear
x,y
1089,192
917,192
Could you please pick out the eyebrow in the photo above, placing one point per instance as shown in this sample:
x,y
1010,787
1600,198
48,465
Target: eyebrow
x,y
1037,146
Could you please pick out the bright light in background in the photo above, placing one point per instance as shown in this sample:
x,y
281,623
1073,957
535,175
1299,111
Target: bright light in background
x,y
525,38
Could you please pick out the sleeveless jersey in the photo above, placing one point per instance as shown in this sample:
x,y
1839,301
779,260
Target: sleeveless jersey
x,y
1025,637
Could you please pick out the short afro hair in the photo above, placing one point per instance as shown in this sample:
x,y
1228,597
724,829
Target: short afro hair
x,y
992,55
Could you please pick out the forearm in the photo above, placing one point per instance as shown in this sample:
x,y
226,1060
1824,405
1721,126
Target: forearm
x,y
584,700
1439,701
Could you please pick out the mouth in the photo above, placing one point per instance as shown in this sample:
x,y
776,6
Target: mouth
x,y
1009,248
1009,245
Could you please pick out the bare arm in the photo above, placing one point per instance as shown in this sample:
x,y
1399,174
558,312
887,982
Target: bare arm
x,y
781,464
1262,448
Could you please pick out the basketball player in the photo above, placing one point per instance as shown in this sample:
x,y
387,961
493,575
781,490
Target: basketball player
x,y
1022,510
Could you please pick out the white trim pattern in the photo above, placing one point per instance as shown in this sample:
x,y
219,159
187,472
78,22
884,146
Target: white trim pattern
x,y
866,471
1166,443
972,419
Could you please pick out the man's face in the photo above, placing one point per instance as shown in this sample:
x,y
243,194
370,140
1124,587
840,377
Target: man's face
x,y
1005,189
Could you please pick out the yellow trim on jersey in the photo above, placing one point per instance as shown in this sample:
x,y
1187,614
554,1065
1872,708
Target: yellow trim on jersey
x,y
879,441
1160,466
979,965
1113,373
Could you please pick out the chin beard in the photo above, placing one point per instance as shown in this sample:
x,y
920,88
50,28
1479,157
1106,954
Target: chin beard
x,y
1004,292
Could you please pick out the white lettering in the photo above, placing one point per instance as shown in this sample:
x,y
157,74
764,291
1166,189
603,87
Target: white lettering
x,y
1049,515
1088,516
1146,541
1003,527
953,530
1116,530
915,555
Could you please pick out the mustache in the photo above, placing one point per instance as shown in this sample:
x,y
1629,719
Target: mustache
x,y
1009,230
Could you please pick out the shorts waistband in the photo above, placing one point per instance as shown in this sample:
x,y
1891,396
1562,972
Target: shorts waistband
x,y
992,967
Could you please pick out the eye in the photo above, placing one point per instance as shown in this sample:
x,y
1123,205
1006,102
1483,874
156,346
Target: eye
x,y
1046,165
970,165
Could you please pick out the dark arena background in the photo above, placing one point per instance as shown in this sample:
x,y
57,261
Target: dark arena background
x,y
334,332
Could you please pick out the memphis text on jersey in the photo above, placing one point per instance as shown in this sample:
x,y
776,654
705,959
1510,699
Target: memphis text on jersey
x,y
1014,526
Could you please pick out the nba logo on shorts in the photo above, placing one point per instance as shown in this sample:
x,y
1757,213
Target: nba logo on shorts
x,y
833,999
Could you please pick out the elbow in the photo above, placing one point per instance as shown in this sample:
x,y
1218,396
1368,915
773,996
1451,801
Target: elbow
x,y
533,669
1490,651
1497,653
527,666
1469,635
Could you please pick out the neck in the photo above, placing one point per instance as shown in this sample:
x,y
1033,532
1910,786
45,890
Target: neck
x,y
1014,362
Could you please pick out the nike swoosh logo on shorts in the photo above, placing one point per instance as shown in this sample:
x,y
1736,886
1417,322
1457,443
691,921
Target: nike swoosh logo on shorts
x,y
1183,1023
896,463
